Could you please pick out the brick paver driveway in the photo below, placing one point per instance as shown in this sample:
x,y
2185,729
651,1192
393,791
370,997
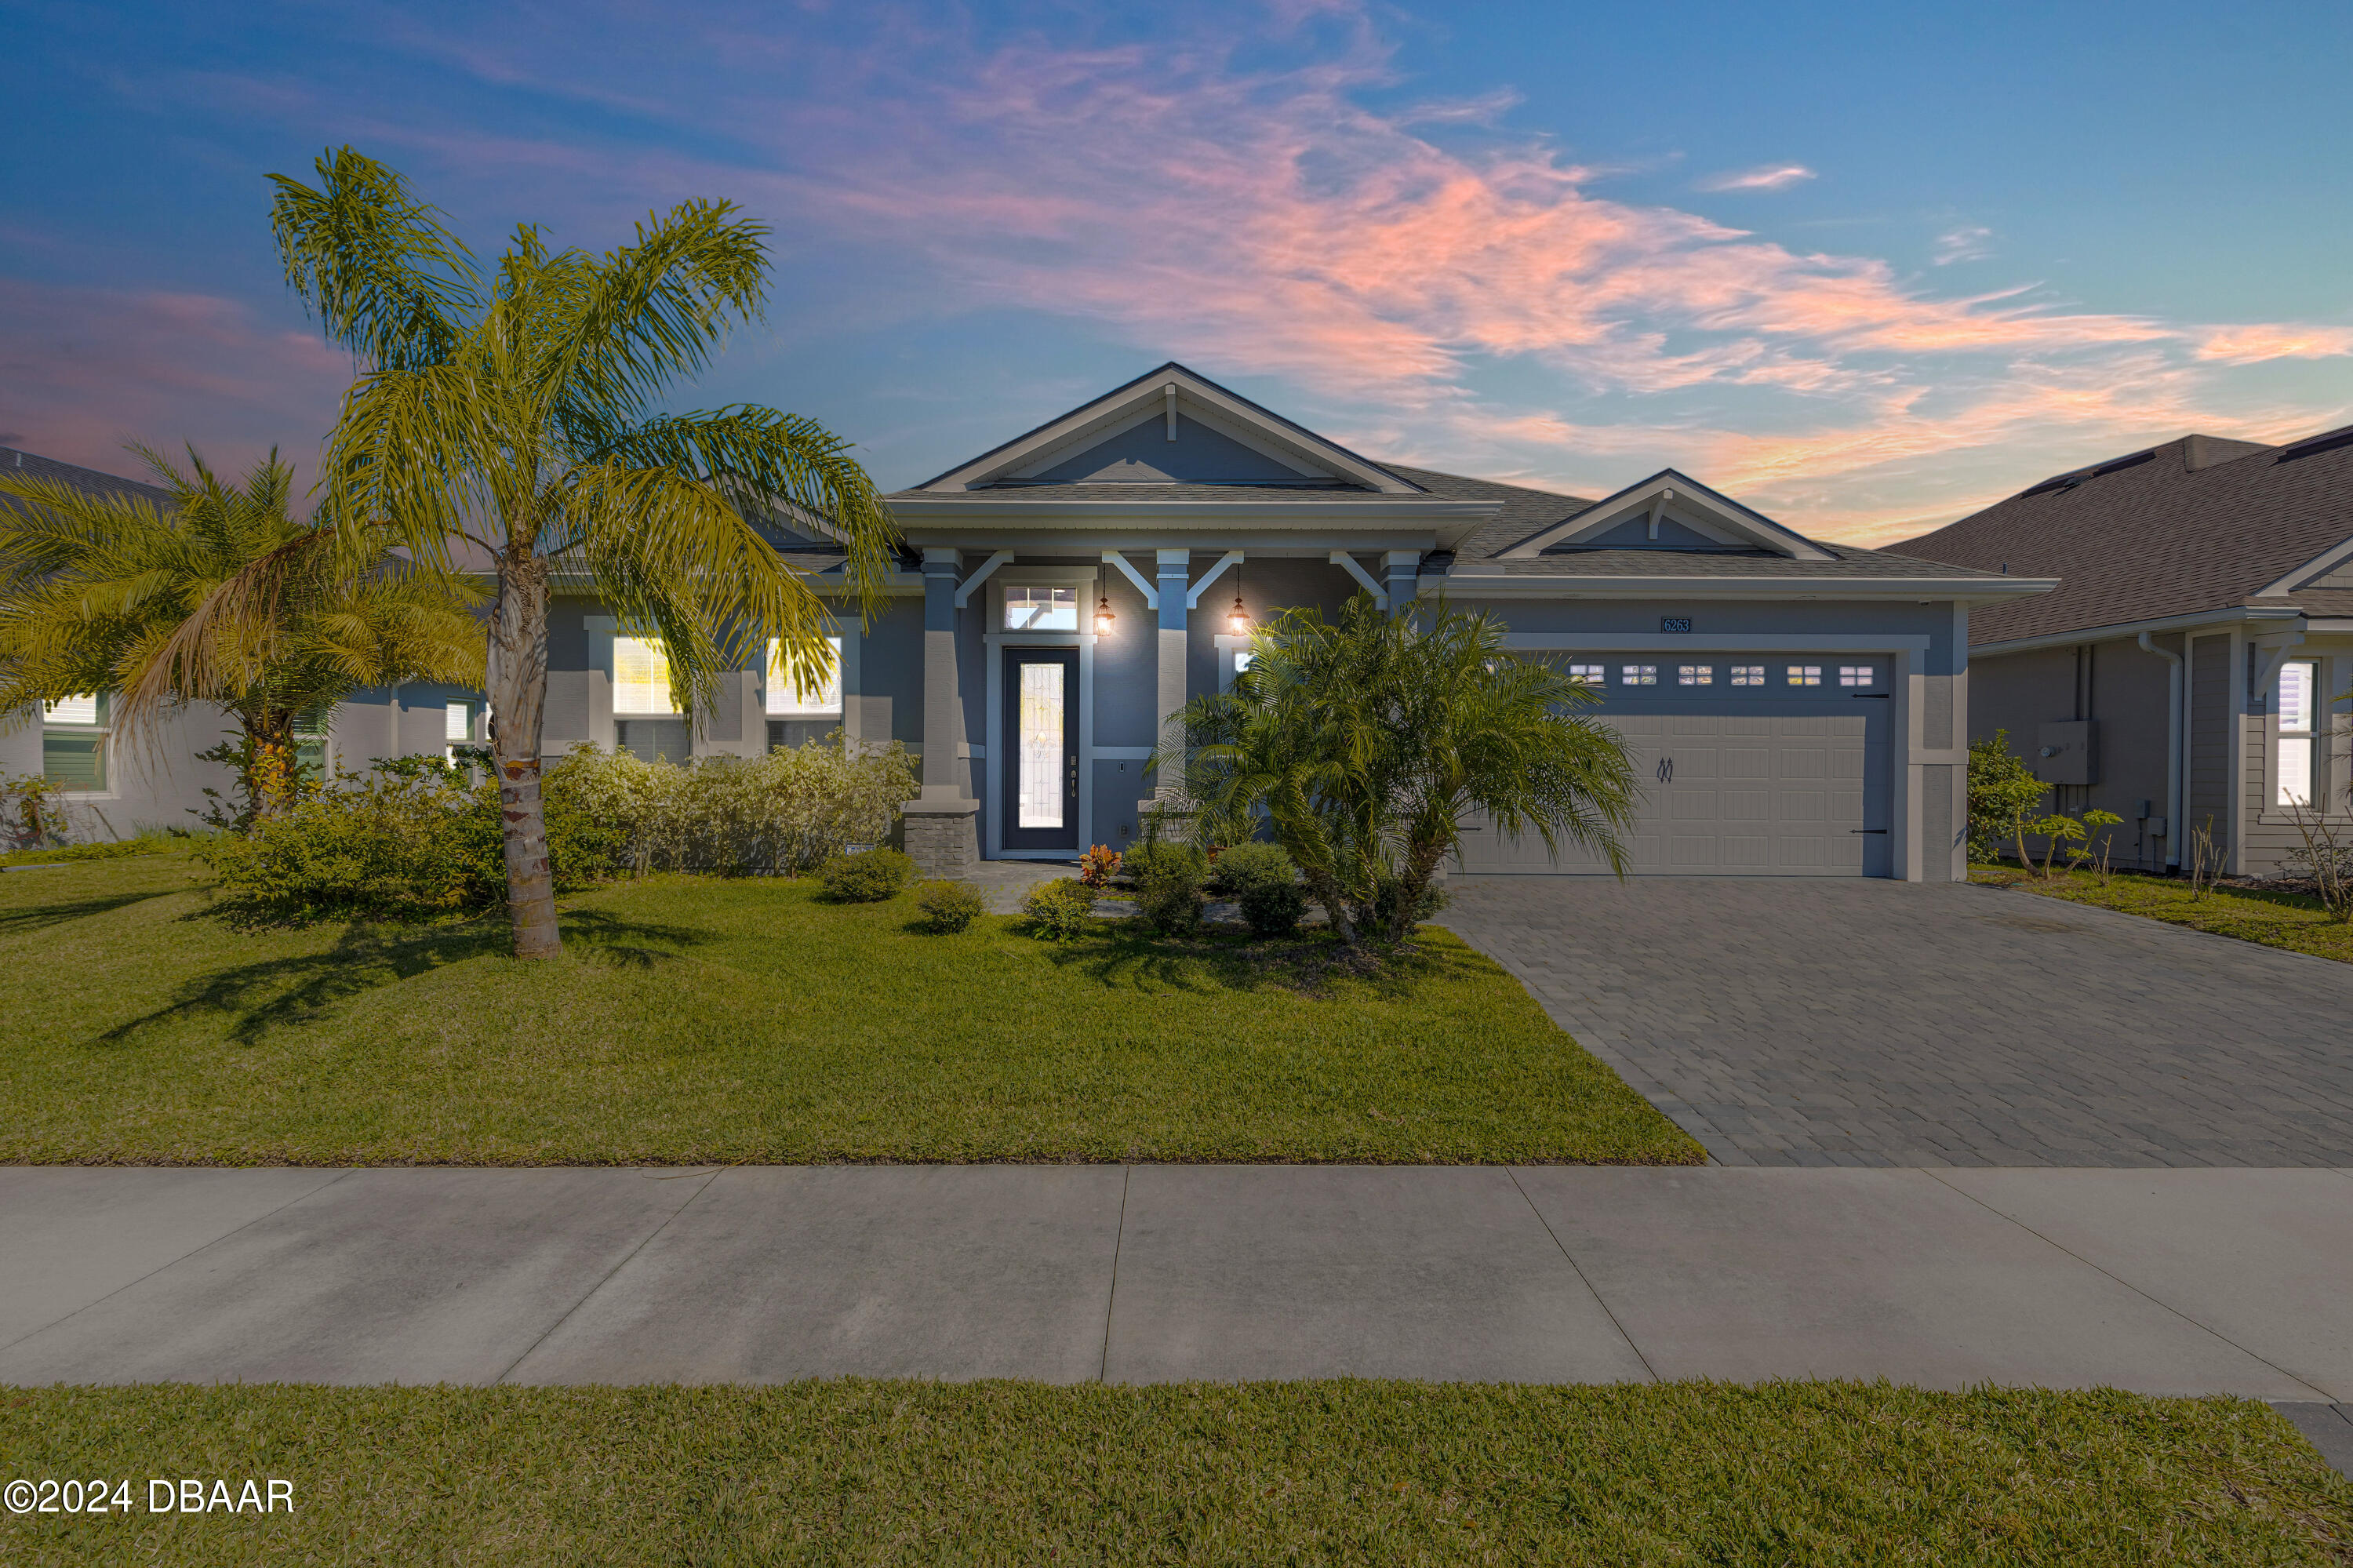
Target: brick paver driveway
x,y
1869,1022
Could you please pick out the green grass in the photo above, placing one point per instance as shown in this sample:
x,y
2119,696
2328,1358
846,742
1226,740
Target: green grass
x,y
696,1021
2292,920
858,1472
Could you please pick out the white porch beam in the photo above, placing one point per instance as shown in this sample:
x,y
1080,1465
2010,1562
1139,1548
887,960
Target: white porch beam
x,y
1193,595
1143,585
980,576
1380,597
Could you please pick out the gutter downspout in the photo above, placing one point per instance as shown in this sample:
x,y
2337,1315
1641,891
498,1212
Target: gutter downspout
x,y
2173,749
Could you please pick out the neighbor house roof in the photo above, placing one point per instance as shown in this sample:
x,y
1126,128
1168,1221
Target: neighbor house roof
x,y
2193,526
16,464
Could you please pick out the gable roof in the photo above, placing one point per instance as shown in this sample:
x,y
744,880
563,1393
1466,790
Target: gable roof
x,y
2195,525
1275,452
16,464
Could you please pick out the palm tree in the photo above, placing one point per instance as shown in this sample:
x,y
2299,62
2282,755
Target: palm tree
x,y
1366,745
114,593
504,418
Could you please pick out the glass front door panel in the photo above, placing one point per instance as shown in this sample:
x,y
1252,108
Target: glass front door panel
x,y
1043,710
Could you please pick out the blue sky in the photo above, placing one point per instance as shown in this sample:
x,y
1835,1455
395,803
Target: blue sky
x,y
1867,267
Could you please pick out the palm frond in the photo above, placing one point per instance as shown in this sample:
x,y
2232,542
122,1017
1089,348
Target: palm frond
x,y
384,278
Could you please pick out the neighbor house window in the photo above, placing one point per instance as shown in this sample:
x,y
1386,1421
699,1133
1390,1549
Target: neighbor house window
x,y
1858,676
1587,674
73,742
640,676
785,702
1042,609
458,723
1805,675
1748,675
2299,690
1638,675
1694,675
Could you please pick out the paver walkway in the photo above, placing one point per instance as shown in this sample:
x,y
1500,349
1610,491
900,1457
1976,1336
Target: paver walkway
x,y
1888,1023
2160,1281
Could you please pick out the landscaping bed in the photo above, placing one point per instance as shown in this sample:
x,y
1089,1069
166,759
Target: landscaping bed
x,y
1332,1471
2243,907
701,1020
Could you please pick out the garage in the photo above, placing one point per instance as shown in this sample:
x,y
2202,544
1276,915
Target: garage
x,y
1751,765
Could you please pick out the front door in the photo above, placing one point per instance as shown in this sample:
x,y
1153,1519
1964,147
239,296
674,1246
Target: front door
x,y
1039,776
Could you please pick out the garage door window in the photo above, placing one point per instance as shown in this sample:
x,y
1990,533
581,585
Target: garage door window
x,y
1805,675
1748,675
1587,674
1638,675
1694,675
1858,676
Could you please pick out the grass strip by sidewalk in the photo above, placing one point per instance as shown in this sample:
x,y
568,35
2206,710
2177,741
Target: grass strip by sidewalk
x,y
698,1021
2276,919
1333,1471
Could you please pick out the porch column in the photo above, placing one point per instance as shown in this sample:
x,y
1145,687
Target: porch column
x,y
1403,570
1171,580
940,821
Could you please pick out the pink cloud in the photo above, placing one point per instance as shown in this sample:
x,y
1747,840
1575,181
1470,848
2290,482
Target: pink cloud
x,y
82,371
2250,345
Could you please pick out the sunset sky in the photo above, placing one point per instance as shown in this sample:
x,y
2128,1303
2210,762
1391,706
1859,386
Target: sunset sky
x,y
1865,267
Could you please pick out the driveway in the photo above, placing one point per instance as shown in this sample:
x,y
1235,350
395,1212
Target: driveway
x,y
1887,1024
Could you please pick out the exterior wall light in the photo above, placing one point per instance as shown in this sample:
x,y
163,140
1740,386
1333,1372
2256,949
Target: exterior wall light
x,y
1103,616
1239,620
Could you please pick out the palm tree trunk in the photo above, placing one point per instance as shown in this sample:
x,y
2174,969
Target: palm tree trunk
x,y
269,763
518,692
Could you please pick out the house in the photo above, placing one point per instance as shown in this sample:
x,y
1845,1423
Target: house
x,y
1794,708
114,785
2188,672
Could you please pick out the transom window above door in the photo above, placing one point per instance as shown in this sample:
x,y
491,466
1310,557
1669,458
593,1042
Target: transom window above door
x,y
1041,608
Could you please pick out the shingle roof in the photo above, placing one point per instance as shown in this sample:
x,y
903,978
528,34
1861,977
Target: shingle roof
x,y
2157,538
32,465
1013,494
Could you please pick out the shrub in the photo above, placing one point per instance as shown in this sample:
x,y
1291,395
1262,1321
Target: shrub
x,y
2004,795
948,906
1154,856
1099,865
1391,892
786,811
1243,866
1169,896
867,877
1060,910
33,812
1273,908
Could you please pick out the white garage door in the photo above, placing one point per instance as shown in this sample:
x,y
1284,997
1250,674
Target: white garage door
x,y
1785,774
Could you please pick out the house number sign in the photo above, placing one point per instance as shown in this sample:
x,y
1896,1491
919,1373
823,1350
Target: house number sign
x,y
1674,623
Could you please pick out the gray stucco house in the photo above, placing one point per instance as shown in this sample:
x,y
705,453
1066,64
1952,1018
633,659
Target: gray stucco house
x,y
2187,672
1794,708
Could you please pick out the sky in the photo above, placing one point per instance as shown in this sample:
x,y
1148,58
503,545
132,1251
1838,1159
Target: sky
x,y
1865,267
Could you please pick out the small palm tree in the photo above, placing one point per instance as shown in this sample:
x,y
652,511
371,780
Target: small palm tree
x,y
114,593
505,419
1366,743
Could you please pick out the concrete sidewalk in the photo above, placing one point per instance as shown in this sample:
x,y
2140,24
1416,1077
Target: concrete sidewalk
x,y
2161,1281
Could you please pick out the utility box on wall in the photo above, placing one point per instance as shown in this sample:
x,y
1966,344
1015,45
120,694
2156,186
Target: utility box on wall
x,y
2068,752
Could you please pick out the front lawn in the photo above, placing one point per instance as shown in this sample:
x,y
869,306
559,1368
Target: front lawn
x,y
698,1021
1312,1472
2277,919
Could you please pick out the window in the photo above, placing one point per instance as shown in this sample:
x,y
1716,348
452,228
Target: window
x,y
1748,675
458,723
1042,609
1694,675
1805,675
640,676
783,702
1638,675
1587,674
73,742
2297,705
1858,676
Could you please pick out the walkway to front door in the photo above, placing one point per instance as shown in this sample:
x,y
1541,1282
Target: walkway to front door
x,y
1868,1023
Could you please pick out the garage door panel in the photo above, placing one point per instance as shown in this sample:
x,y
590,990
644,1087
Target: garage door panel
x,y
1736,782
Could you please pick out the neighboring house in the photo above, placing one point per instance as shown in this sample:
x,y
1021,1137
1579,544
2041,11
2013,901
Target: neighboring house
x,y
2188,673
1794,708
115,784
